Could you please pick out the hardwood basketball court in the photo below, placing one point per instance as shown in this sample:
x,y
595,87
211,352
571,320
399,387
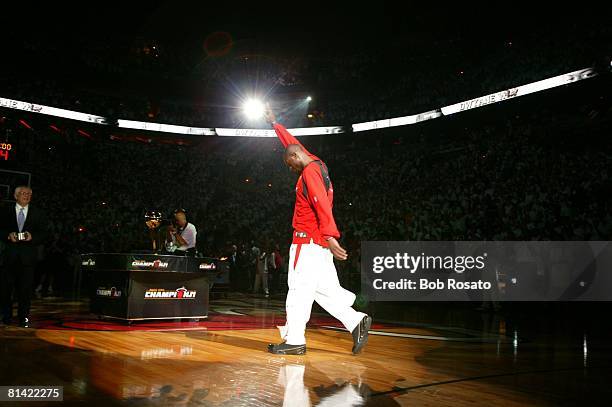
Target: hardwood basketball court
x,y
460,357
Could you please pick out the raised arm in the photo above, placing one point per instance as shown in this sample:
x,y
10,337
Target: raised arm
x,y
283,134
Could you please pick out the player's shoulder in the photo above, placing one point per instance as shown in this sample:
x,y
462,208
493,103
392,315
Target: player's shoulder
x,y
314,166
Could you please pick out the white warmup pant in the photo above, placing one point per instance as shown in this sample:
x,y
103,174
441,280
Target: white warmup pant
x,y
313,278
291,377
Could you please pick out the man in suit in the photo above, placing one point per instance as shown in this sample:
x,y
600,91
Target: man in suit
x,y
23,228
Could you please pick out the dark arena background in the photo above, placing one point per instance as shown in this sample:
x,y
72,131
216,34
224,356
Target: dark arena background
x,y
438,123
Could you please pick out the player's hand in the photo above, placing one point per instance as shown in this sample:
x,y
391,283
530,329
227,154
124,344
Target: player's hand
x,y
337,250
12,237
269,115
28,236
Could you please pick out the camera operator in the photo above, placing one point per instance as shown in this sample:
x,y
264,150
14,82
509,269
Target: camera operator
x,y
182,235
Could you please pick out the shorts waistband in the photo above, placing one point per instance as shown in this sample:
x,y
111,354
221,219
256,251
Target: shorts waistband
x,y
301,237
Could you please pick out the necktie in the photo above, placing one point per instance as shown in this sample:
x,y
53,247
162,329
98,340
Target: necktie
x,y
20,220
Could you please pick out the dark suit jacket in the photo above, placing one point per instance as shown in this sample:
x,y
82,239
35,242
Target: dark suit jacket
x,y
36,223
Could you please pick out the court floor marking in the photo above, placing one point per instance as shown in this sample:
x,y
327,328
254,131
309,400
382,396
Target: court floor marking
x,y
431,337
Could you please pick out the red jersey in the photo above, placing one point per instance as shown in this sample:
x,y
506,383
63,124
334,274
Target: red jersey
x,y
312,216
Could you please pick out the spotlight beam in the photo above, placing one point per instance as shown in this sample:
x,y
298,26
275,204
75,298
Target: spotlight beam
x,y
253,109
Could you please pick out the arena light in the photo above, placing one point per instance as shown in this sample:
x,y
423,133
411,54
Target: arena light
x,y
84,134
25,124
253,109
256,108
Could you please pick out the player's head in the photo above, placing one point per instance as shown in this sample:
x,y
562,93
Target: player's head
x,y
295,158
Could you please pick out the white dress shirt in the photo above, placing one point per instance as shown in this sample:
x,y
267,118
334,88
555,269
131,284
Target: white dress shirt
x,y
189,234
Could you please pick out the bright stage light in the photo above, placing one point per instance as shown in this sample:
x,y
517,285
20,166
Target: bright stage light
x,y
308,98
253,109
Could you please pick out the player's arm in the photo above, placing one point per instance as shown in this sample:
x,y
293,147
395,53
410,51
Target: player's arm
x,y
283,134
317,196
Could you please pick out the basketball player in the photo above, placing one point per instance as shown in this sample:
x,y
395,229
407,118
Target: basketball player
x,y
312,274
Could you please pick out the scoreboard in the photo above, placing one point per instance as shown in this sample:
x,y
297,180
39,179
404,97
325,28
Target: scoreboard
x,y
5,150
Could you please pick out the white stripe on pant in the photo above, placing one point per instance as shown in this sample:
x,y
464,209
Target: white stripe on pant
x,y
314,278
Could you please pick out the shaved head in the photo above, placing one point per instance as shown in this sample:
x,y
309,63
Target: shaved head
x,y
291,149
295,158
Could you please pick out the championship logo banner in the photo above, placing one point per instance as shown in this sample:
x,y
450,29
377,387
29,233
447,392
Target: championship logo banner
x,y
163,294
